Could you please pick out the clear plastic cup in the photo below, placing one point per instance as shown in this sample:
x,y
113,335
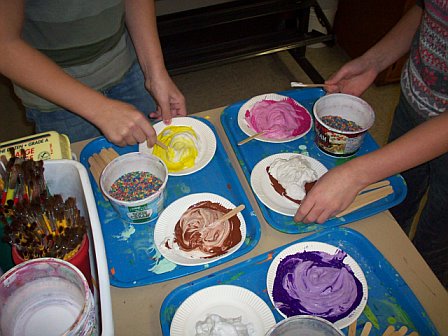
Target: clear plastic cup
x,y
304,325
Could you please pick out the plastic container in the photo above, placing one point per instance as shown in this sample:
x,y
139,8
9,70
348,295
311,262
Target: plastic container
x,y
70,178
304,325
46,296
142,210
338,142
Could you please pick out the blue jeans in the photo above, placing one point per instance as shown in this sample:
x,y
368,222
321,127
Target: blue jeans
x,y
431,236
130,89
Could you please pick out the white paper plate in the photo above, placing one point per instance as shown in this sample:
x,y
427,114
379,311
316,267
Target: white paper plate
x,y
242,123
262,186
228,302
164,230
330,249
207,141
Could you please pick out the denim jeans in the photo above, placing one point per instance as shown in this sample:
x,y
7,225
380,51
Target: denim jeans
x,y
130,89
431,236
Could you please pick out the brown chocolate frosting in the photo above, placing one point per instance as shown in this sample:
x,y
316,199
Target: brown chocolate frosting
x,y
197,230
282,191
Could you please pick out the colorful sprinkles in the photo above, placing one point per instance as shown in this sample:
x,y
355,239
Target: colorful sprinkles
x,y
135,186
341,124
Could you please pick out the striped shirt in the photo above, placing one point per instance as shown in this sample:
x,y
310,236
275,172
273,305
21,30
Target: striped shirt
x,y
424,79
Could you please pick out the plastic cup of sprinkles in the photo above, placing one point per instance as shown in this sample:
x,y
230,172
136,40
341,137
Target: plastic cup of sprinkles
x,y
341,122
135,184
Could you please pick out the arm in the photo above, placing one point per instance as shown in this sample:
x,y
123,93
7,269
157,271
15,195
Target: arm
x,y
357,75
121,123
142,25
337,189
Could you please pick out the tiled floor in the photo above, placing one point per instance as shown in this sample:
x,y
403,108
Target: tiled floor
x,y
226,84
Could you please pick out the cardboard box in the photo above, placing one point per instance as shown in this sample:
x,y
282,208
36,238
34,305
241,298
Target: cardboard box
x,y
43,146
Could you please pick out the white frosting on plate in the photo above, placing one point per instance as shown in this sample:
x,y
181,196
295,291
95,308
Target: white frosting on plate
x,y
292,174
215,325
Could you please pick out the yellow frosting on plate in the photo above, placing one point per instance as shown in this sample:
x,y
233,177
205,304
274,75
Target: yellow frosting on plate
x,y
183,147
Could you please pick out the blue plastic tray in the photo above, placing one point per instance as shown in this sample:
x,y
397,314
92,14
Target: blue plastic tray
x,y
254,151
132,259
390,300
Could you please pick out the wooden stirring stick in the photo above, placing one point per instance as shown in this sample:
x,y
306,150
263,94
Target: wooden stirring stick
x,y
231,213
242,142
390,329
376,185
366,330
400,332
352,329
302,85
161,144
367,198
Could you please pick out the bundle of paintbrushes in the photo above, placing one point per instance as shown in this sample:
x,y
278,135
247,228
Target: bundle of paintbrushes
x,y
53,228
21,179
36,223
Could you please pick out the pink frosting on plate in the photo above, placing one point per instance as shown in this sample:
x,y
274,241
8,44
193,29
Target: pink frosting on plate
x,y
278,119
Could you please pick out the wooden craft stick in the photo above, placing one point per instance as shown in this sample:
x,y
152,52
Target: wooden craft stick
x,y
161,144
109,153
95,169
352,329
105,157
367,198
302,85
242,142
231,213
158,143
96,163
389,330
400,332
376,185
366,330
102,161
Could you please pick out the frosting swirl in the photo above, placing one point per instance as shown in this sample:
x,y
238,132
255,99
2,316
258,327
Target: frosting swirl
x,y
278,119
291,177
183,146
316,283
198,229
215,325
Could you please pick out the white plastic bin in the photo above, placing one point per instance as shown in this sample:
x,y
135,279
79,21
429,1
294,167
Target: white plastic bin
x,y
69,178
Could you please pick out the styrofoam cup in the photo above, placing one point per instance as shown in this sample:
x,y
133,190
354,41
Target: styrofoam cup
x,y
336,142
146,209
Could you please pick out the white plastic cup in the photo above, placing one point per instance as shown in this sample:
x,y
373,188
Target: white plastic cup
x,y
304,325
336,142
146,209
46,296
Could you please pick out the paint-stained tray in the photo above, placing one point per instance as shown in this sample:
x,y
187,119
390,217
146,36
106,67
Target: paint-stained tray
x,y
390,300
132,257
254,151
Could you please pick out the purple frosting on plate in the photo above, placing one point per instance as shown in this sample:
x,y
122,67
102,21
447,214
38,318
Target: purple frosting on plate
x,y
316,283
